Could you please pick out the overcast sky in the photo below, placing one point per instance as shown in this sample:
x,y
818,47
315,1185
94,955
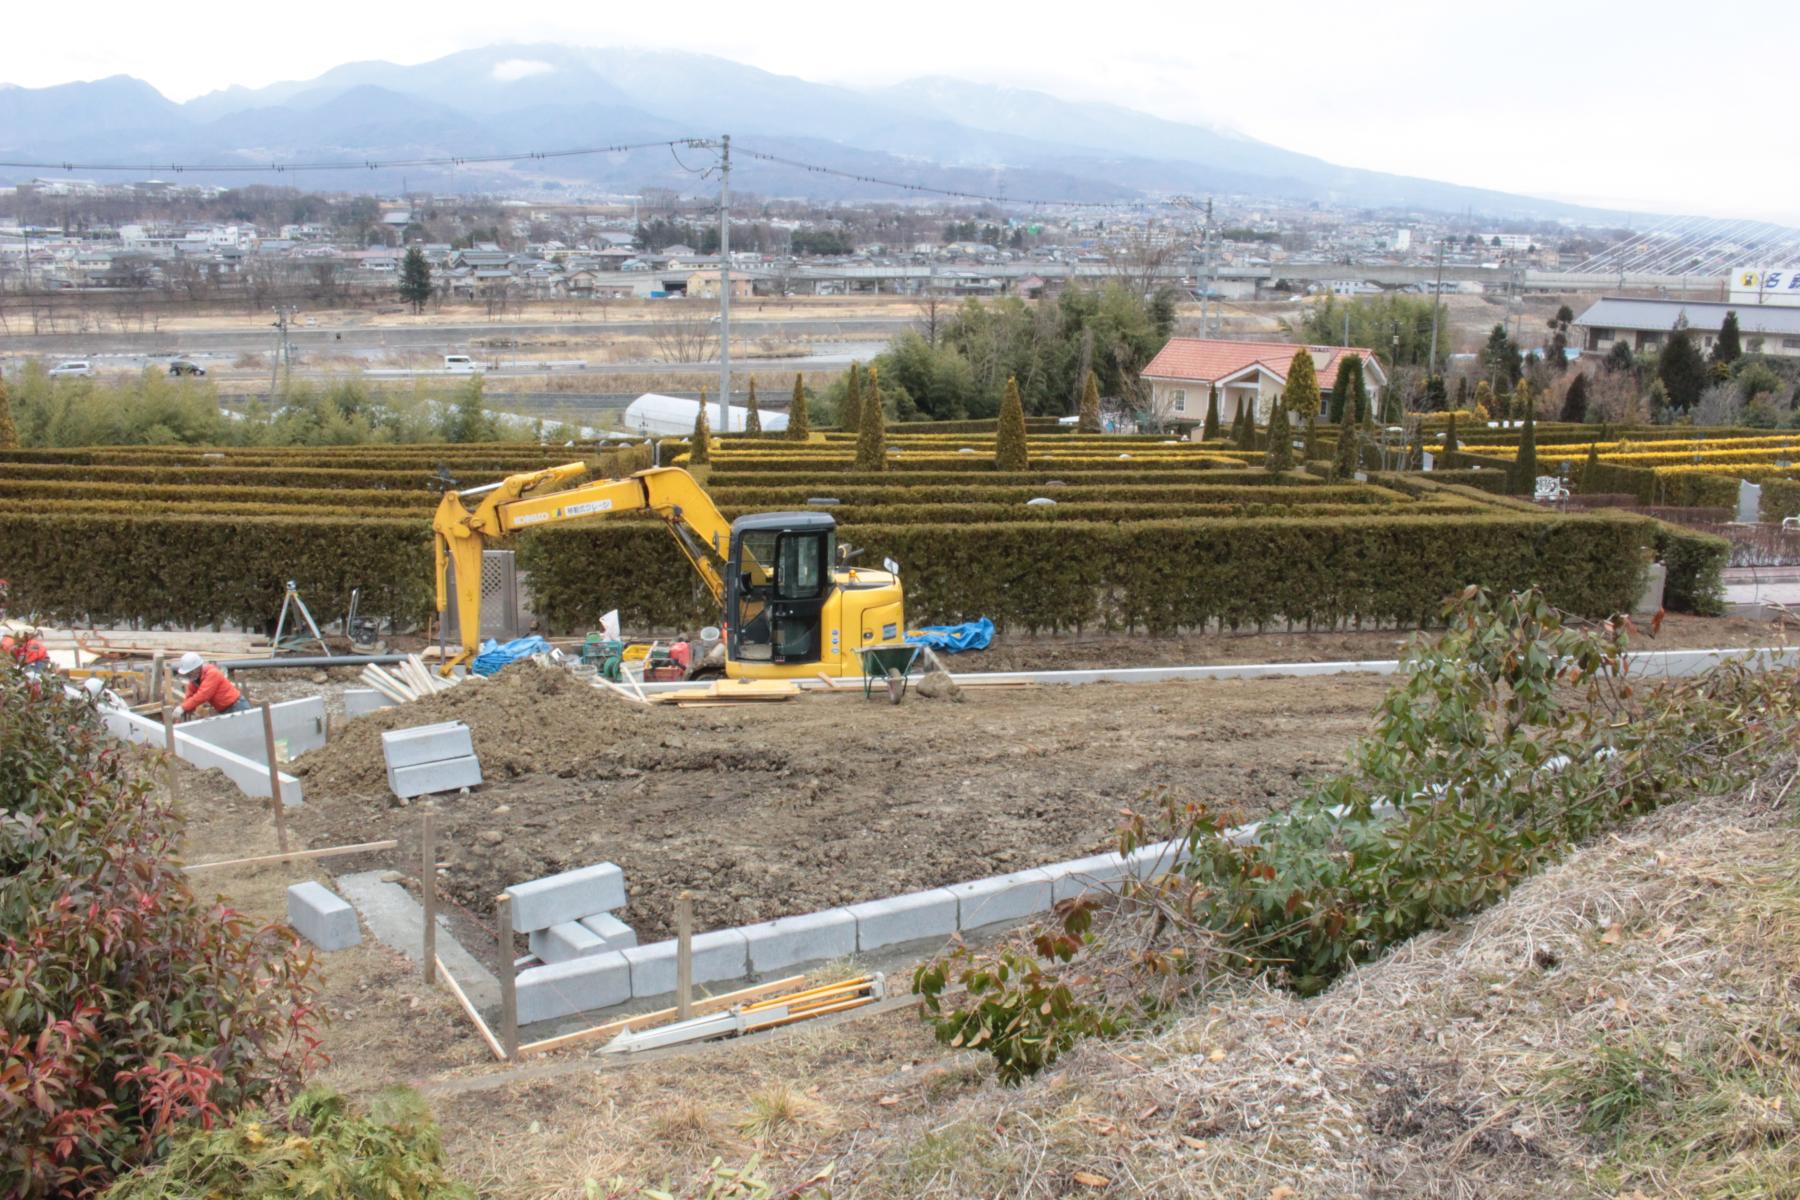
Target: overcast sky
x,y
1644,104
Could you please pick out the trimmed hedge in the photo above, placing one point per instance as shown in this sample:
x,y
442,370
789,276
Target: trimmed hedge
x,y
198,571
1492,482
1694,565
46,490
398,478
968,464
1780,498
1154,575
824,482
774,497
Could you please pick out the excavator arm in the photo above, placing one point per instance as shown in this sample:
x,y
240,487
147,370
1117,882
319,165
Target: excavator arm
x,y
461,532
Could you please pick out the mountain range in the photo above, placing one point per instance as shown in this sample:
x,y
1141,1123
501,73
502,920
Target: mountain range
x,y
934,131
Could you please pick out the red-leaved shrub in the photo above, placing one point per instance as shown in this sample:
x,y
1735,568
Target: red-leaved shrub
x,y
128,1006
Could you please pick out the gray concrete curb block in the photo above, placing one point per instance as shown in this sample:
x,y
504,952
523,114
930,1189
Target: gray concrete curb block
x,y
425,779
1096,873
615,933
896,920
1002,898
560,989
809,937
568,896
426,744
321,917
566,941
721,955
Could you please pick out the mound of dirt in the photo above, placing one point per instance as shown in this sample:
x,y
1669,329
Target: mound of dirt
x,y
527,720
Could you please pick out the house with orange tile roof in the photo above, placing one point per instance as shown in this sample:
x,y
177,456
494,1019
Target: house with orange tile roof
x,y
1247,374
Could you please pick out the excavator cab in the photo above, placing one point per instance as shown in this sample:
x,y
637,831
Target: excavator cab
x,y
778,579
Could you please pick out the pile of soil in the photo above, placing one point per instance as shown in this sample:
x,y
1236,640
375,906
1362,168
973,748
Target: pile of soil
x,y
527,720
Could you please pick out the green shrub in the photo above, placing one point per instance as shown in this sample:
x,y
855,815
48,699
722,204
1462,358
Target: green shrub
x,y
1780,498
129,1007
1695,569
320,1147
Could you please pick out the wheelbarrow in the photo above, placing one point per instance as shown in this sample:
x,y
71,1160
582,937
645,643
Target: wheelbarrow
x,y
890,664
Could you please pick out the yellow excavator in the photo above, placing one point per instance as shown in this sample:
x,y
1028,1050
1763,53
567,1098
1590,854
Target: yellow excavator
x,y
792,609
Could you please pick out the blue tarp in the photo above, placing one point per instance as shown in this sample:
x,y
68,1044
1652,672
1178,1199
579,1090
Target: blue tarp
x,y
493,656
970,635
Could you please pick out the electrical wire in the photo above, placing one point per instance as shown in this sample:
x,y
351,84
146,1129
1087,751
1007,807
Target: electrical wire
x,y
455,160
1027,202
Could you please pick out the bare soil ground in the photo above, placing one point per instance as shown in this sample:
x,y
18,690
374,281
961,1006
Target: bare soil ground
x,y
768,810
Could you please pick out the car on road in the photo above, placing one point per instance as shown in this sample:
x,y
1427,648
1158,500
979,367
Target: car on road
x,y
75,367
183,366
462,364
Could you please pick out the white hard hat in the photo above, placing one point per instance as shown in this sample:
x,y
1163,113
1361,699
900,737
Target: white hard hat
x,y
189,663
94,685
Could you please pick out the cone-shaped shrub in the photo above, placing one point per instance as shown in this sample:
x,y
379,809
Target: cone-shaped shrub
x,y
1210,431
871,437
1302,392
799,428
752,419
850,418
1009,439
1281,444
700,448
1089,418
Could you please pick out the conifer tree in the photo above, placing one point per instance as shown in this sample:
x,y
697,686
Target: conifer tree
x,y
871,437
1593,460
1009,439
415,279
1209,432
1280,456
1730,344
9,432
1248,430
700,446
1311,450
1340,391
1524,403
799,428
850,418
1462,391
1358,391
1088,420
1528,464
752,418
1484,401
1348,456
1575,400
1302,393
1451,445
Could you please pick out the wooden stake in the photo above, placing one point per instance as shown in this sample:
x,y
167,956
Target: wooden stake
x,y
428,891
481,1026
509,995
281,838
684,956
295,855
169,745
156,678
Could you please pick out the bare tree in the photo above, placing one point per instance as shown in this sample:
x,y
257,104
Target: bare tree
x,y
930,317
1144,258
685,334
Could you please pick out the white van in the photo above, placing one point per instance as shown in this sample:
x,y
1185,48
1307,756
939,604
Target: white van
x,y
80,368
462,364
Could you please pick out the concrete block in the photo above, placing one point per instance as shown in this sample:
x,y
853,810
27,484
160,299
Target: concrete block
x,y
423,779
1002,898
561,989
1095,873
250,774
299,724
909,918
615,933
568,896
723,954
810,937
566,940
321,917
426,744
360,702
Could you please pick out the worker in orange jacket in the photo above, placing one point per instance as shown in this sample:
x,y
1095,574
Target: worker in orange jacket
x,y
207,684
28,651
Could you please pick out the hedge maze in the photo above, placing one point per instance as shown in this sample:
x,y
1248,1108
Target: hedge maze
x,y
1145,534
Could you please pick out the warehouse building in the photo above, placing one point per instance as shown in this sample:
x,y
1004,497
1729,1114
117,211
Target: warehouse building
x,y
1644,325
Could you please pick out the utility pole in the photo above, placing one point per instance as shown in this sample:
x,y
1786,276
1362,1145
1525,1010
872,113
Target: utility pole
x,y
725,284
1437,298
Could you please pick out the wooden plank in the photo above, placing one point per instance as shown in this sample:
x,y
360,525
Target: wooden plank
x,y
684,955
487,1035
294,855
659,1016
509,992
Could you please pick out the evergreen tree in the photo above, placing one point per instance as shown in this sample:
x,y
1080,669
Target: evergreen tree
x,y
1554,353
467,420
1501,358
1281,441
1088,420
1302,393
1575,400
1462,391
1451,445
9,432
1484,401
799,428
1357,391
1524,401
1345,462
1619,358
850,418
1247,431
752,418
700,443
1009,439
1730,344
1593,460
1209,432
1437,398
871,437
1415,453
1312,440
1340,391
1527,460
1682,370
415,279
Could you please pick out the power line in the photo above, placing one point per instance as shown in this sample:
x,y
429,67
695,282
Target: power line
x,y
455,160
1027,202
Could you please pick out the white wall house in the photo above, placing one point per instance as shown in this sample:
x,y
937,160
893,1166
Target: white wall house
x,y
1248,375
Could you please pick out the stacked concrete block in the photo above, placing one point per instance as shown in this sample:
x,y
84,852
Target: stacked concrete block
x,y
810,937
568,896
562,989
1095,873
615,933
360,702
430,758
723,954
1002,898
914,917
321,917
566,940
